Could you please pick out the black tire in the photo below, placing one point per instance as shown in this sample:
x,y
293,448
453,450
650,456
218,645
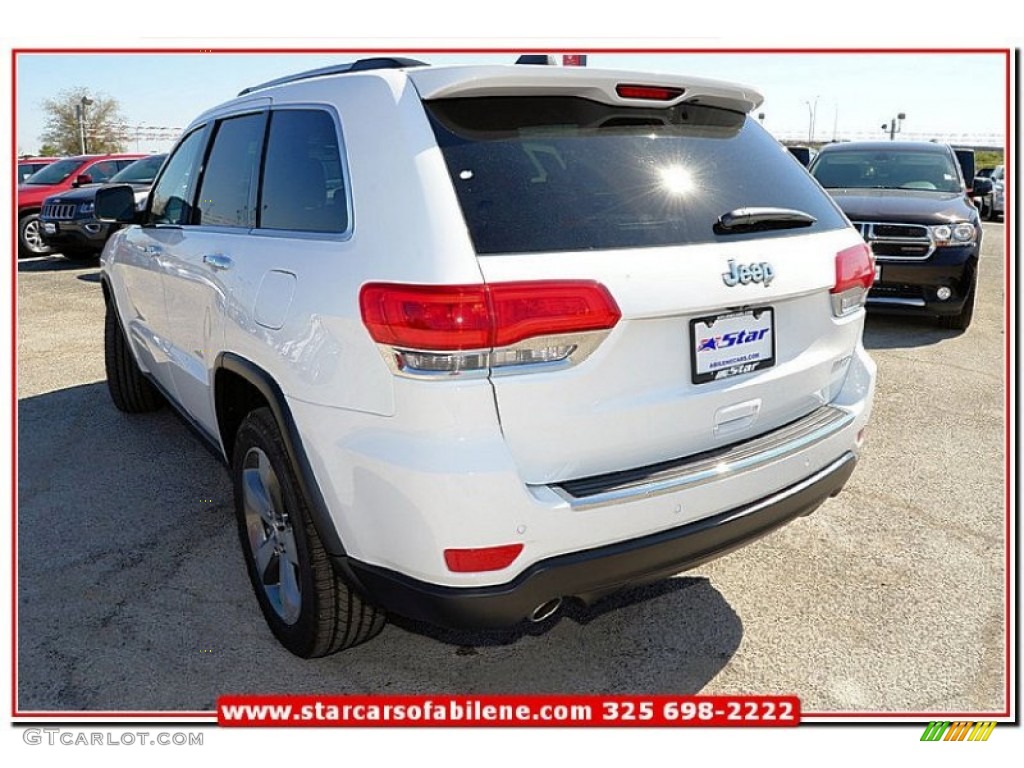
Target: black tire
x,y
30,240
987,212
962,321
129,388
326,615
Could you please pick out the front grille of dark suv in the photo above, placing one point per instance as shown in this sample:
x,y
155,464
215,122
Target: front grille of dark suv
x,y
902,231
897,242
59,211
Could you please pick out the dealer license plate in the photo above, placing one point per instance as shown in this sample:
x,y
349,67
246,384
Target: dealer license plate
x,y
732,344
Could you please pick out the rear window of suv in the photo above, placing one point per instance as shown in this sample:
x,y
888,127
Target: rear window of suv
x,y
557,173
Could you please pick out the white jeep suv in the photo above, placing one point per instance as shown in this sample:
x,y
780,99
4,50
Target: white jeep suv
x,y
476,340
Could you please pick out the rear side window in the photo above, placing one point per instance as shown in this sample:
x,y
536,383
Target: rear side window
x,y
556,173
227,183
169,198
303,185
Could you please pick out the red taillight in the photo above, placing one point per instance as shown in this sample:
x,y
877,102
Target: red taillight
x,y
525,310
854,268
461,317
648,92
479,560
855,272
442,317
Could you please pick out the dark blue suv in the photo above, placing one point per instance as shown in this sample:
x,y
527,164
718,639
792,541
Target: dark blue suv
x,y
912,206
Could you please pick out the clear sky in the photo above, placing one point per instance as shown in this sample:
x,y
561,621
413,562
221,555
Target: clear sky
x,y
954,96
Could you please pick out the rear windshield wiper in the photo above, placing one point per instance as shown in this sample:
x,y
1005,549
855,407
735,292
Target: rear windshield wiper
x,y
756,219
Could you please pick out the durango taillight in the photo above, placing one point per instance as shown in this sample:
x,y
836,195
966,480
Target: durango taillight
x,y
855,272
447,329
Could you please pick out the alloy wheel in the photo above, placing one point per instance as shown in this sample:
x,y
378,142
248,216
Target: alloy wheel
x,y
271,536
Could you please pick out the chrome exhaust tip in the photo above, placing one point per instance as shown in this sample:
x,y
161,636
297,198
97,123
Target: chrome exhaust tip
x,y
546,610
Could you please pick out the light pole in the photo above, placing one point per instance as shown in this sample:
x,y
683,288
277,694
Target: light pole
x,y
84,102
895,125
812,116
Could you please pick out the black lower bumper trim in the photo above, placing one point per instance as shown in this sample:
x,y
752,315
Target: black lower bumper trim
x,y
594,573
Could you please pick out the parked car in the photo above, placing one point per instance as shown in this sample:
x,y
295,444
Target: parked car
x,y
29,165
804,154
998,178
982,194
911,204
476,340
58,177
68,221
965,158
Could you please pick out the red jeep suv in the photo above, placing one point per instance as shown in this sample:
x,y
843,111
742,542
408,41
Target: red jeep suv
x,y
58,177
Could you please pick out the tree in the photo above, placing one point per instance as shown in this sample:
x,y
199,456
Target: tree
x,y
48,150
103,122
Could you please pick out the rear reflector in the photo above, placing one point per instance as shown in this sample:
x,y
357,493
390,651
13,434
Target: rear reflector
x,y
648,92
460,317
479,560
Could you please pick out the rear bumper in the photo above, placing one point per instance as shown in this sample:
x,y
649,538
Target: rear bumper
x,y
591,574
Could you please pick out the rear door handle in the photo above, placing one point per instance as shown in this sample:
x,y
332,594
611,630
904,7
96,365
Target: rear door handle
x,y
152,250
218,260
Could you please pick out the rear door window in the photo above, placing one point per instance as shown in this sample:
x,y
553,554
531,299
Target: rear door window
x,y
556,173
303,186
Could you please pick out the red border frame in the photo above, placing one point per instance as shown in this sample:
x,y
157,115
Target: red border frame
x,y
1007,326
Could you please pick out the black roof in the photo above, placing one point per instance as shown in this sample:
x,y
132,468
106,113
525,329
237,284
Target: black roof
x,y
878,146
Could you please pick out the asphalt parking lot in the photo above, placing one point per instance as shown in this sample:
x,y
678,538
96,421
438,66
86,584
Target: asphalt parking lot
x,y
132,593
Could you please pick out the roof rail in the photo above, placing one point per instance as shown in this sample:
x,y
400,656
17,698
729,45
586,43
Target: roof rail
x,y
381,62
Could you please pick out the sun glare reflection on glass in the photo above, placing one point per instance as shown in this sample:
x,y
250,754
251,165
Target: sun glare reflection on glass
x,y
676,180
